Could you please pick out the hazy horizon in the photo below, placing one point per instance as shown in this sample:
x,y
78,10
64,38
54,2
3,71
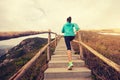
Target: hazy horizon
x,y
35,15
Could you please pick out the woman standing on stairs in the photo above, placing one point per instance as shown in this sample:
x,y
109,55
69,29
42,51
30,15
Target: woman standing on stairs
x,y
69,35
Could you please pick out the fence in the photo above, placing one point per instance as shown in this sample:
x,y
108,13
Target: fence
x,y
40,57
111,68
88,51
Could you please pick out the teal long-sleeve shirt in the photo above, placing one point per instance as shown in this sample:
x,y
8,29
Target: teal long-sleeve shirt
x,y
68,29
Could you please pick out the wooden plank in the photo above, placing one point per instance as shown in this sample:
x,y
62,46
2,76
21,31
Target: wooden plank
x,y
80,46
48,48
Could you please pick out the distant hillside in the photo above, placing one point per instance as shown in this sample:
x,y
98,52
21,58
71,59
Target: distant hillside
x,y
19,55
26,46
115,30
9,35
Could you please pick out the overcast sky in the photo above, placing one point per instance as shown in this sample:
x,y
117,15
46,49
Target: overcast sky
x,y
22,15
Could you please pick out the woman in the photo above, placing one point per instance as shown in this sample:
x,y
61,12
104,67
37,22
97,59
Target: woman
x,y
69,35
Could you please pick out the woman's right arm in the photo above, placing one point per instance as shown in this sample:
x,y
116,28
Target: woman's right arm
x,y
76,27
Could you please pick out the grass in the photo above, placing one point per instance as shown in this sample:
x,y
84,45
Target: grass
x,y
108,46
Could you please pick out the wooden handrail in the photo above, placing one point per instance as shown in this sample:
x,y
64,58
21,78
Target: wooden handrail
x,y
103,58
30,63
23,70
26,67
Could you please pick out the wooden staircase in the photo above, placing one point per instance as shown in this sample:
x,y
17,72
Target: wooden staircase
x,y
57,69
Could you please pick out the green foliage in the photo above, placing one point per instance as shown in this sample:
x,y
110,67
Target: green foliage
x,y
21,62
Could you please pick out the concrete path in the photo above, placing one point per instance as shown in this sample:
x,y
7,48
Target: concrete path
x,y
58,66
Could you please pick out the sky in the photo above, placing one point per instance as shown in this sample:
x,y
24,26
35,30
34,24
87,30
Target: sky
x,y
37,15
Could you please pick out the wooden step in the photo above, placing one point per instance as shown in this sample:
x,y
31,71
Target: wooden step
x,y
56,73
64,63
64,57
57,67
70,79
60,52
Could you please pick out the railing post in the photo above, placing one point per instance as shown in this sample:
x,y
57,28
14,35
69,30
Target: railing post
x,y
55,39
48,49
80,46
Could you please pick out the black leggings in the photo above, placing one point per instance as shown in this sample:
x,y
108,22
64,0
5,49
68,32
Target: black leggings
x,y
68,39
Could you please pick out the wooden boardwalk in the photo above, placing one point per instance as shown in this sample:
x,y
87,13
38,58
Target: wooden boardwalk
x,y
57,69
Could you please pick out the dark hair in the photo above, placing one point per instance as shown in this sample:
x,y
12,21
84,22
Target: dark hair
x,y
69,19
